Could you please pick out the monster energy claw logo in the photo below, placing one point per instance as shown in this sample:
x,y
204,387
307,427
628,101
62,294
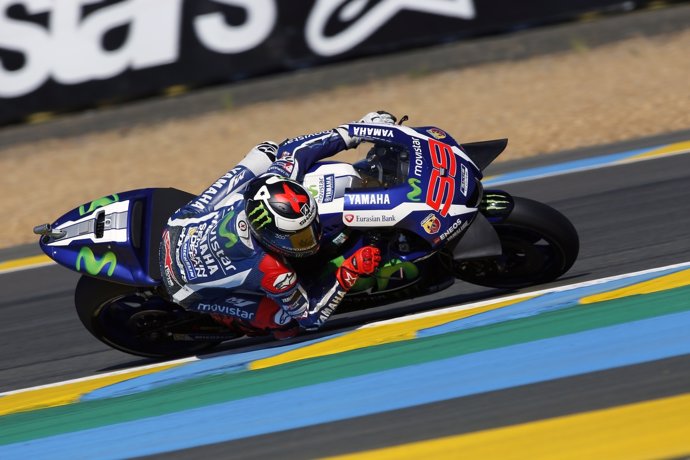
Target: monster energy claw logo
x,y
495,202
260,216
93,265
99,203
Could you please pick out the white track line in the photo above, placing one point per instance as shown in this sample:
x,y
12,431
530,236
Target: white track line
x,y
385,322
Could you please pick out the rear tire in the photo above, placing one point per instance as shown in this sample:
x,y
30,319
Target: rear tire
x,y
129,319
539,245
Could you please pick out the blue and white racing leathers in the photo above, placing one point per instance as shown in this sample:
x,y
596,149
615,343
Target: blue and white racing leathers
x,y
211,263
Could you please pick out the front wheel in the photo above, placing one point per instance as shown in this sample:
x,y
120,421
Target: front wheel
x,y
539,244
138,321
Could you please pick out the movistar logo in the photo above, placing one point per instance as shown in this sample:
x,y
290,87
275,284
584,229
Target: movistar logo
x,y
416,191
99,203
314,190
404,270
94,265
225,233
260,216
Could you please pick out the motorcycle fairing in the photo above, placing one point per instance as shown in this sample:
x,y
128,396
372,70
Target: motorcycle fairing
x,y
404,135
437,195
327,181
117,237
484,152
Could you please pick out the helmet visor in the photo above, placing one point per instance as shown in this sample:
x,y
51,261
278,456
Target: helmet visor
x,y
305,239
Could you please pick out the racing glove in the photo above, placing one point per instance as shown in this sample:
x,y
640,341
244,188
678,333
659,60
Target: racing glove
x,y
268,148
380,117
363,262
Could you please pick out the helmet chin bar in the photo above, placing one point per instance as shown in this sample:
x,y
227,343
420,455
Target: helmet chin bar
x,y
290,253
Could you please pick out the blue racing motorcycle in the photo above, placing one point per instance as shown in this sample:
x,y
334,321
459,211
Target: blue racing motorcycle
x,y
417,195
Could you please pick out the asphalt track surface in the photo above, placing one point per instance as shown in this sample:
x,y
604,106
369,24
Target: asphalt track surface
x,y
630,217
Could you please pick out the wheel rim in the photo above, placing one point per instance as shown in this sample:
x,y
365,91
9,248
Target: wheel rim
x,y
137,323
528,258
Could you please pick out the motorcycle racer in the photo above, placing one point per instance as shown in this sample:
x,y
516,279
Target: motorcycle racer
x,y
226,252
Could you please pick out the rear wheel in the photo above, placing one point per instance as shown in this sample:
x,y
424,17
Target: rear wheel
x,y
539,245
138,321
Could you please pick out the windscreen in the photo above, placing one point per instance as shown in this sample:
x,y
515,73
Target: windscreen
x,y
384,166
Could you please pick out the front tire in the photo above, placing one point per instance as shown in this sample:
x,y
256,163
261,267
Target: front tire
x,y
539,244
133,319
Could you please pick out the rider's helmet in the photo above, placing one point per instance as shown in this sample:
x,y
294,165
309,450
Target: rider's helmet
x,y
283,216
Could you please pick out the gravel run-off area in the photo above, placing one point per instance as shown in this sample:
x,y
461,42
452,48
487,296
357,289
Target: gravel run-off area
x,y
587,96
